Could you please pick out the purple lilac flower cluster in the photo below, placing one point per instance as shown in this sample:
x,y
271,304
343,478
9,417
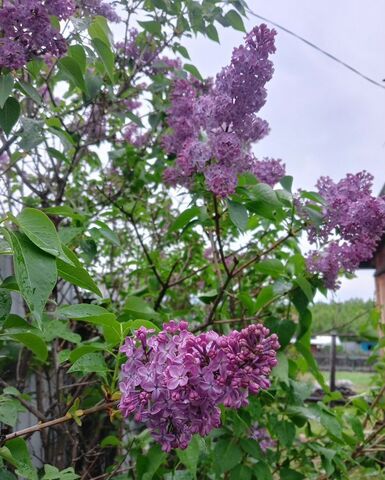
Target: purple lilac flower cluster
x,y
26,30
354,222
263,437
145,55
212,132
175,380
99,7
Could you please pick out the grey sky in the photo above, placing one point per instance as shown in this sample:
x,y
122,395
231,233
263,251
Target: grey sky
x,y
324,119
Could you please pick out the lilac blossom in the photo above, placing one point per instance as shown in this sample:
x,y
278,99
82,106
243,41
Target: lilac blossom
x,y
26,31
174,381
62,9
144,54
223,119
102,8
353,224
268,170
263,437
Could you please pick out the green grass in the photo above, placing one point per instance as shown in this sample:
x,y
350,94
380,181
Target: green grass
x,y
360,380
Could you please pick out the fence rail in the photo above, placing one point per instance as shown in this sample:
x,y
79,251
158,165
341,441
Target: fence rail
x,y
358,363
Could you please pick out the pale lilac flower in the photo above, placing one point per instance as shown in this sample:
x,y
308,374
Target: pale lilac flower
x,y
212,127
353,224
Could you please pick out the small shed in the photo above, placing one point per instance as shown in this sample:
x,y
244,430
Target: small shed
x,y
319,342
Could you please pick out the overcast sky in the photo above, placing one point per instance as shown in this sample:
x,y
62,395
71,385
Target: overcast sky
x,y
324,119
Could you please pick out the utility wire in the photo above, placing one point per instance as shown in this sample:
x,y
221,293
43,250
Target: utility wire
x,y
341,62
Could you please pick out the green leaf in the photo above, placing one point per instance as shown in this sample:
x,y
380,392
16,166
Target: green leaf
x,y
193,70
305,351
251,447
287,183
184,218
35,272
112,329
331,424
63,211
235,20
190,456
147,465
153,27
9,114
281,370
289,474
107,233
183,51
264,193
212,33
110,441
93,85
238,214
29,91
40,230
106,56
76,274
31,135
73,71
313,196
272,267
90,363
32,342
57,329
21,458
285,431
227,455
5,474
9,410
5,303
264,296
86,311
134,118
53,473
139,308
78,352
136,324
68,234
241,472
79,55
305,286
262,471
99,29
6,86
10,282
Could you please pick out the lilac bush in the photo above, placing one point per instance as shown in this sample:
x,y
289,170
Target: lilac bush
x,y
174,381
212,133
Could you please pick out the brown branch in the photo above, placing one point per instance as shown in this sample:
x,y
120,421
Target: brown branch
x,y
218,299
165,287
374,403
57,421
265,252
218,235
130,217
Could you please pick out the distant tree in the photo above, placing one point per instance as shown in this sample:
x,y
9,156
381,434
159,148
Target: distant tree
x,y
351,316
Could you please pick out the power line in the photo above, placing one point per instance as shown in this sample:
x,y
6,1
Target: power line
x,y
341,62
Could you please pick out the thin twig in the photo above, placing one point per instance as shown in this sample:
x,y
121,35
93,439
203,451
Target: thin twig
x,y
57,421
